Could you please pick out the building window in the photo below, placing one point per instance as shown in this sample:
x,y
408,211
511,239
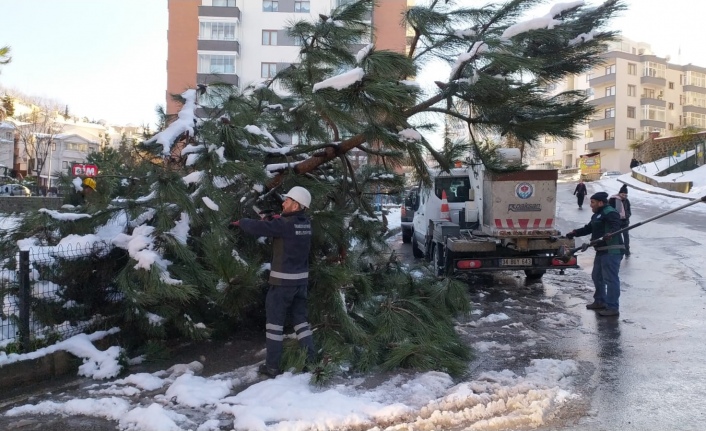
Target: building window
x,y
609,113
302,6
268,70
610,69
632,69
219,64
671,85
695,119
610,91
631,133
64,165
652,112
655,70
224,3
695,99
589,76
609,134
632,90
671,106
77,147
270,5
588,134
670,126
648,93
631,112
269,37
697,79
217,31
548,152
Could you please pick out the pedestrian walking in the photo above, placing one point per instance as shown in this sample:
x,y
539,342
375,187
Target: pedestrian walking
x,y
580,192
621,203
289,275
609,253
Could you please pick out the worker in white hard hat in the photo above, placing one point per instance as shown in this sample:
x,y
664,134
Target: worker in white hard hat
x,y
289,275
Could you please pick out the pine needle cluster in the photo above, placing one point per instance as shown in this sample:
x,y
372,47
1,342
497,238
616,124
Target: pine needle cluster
x,y
166,264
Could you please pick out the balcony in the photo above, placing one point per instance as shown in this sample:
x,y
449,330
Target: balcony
x,y
219,45
607,144
219,11
210,78
602,123
653,123
601,80
653,80
694,108
652,101
694,89
602,101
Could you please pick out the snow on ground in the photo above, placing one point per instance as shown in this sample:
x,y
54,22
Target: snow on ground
x,y
432,400
527,397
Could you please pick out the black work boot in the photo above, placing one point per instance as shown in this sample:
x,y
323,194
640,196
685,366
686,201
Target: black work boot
x,y
595,306
269,372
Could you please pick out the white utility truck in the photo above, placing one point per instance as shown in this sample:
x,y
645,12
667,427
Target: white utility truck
x,y
498,221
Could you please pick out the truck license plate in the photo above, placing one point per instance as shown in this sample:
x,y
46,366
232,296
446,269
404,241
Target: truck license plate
x,y
516,262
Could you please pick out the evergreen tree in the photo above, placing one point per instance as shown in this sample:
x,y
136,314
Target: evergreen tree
x,y
175,269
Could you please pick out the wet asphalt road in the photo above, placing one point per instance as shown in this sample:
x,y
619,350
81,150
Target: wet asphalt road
x,y
649,362
643,370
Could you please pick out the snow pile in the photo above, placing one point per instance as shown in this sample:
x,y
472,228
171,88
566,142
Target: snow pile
x,y
185,122
97,364
421,401
344,80
547,21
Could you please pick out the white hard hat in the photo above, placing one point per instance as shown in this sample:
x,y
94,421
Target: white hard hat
x,y
301,195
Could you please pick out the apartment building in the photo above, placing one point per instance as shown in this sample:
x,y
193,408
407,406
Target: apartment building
x,y
242,42
635,93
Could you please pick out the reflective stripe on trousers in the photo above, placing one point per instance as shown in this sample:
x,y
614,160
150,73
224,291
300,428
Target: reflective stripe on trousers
x,y
281,299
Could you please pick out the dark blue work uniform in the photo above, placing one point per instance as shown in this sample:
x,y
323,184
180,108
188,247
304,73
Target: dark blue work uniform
x,y
608,256
289,279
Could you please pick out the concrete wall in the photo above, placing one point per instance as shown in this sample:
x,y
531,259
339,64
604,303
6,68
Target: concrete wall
x,y
21,204
655,149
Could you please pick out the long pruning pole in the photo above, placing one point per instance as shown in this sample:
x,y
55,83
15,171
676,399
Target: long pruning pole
x,y
564,254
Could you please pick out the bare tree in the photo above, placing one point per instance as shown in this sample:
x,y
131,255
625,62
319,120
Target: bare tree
x,y
37,132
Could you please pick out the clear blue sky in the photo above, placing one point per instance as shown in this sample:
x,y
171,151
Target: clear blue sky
x,y
106,59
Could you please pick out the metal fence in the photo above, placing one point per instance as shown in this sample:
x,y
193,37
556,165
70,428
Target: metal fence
x,y
36,301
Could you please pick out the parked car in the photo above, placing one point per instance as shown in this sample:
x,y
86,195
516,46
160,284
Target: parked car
x,y
409,206
611,174
14,190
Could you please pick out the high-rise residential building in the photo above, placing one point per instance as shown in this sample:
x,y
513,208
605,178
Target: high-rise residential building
x,y
635,93
242,42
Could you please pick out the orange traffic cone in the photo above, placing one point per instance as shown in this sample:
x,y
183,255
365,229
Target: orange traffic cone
x,y
444,207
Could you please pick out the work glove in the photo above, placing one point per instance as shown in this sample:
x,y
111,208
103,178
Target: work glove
x,y
607,237
571,234
268,215
234,224
585,246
